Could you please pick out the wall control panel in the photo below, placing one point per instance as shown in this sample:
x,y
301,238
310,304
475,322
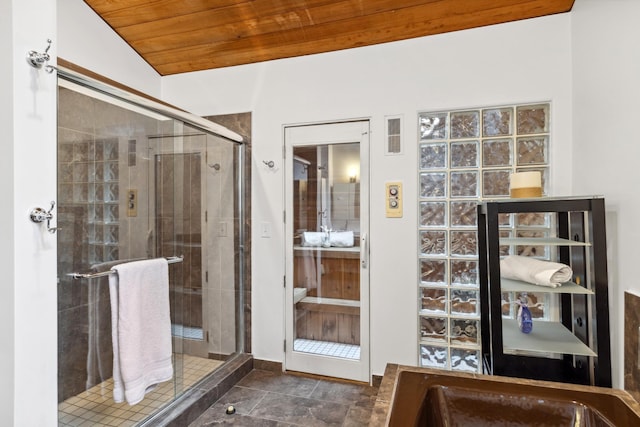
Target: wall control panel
x,y
393,199
132,202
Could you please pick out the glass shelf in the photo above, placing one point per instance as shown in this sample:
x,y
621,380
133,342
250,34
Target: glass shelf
x,y
540,241
445,315
509,285
331,301
546,337
327,249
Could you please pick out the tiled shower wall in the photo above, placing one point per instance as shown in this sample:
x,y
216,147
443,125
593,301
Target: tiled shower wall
x,y
241,124
179,231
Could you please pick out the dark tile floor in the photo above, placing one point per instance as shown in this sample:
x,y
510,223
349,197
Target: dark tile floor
x,y
266,398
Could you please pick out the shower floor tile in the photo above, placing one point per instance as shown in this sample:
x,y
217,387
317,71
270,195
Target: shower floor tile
x,y
326,348
95,407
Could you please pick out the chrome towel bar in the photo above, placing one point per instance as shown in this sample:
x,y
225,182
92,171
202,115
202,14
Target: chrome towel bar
x,y
170,260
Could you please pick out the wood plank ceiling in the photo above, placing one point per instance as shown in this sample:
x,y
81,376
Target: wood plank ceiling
x,y
177,36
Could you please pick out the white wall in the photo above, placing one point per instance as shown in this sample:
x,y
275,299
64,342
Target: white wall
x,y
28,354
526,61
606,87
86,40
7,256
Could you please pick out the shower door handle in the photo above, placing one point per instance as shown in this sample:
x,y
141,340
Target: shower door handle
x,y
39,215
364,251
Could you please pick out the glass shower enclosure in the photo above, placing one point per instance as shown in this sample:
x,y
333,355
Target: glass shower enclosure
x,y
134,184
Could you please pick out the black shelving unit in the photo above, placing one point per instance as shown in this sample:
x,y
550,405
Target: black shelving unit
x,y
575,348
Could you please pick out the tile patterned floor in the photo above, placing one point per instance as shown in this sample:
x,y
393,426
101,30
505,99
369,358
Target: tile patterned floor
x,y
265,398
326,348
96,408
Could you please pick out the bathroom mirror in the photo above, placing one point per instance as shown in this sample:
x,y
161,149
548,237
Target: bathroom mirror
x,y
326,188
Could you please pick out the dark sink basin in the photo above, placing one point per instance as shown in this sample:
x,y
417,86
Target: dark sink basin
x,y
437,398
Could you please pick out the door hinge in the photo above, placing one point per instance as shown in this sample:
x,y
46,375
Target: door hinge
x,y
206,216
284,346
206,276
207,336
284,152
284,281
284,216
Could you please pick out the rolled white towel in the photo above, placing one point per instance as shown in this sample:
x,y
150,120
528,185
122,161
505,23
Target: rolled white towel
x,y
341,239
537,272
312,238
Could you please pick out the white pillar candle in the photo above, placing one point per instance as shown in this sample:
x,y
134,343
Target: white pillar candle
x,y
526,184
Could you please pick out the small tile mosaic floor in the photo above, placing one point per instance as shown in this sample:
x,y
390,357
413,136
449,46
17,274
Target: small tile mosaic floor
x,y
95,407
266,398
326,348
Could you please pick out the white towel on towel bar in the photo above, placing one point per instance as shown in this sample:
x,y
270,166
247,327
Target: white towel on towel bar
x,y
141,328
535,271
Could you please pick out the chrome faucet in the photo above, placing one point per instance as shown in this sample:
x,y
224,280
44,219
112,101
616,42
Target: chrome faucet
x,y
326,238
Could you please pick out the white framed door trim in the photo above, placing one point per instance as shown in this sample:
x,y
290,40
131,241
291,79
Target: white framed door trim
x,y
329,133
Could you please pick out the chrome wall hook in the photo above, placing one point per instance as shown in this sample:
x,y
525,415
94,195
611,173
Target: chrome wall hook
x,y
39,215
37,60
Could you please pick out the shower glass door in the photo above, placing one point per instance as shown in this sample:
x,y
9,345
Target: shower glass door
x,y
191,172
134,184
327,250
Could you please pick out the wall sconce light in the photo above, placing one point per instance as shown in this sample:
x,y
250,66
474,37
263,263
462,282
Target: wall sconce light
x,y
353,175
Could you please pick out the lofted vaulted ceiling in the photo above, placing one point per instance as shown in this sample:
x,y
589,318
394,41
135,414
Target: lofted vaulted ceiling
x,y
177,36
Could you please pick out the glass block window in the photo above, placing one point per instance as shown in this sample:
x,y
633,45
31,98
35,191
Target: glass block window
x,y
88,196
464,157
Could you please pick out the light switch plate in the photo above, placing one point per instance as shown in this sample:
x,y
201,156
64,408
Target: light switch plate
x,y
222,229
265,230
393,199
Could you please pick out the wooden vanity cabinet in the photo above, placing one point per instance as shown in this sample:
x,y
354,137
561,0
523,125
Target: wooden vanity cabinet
x,y
330,308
